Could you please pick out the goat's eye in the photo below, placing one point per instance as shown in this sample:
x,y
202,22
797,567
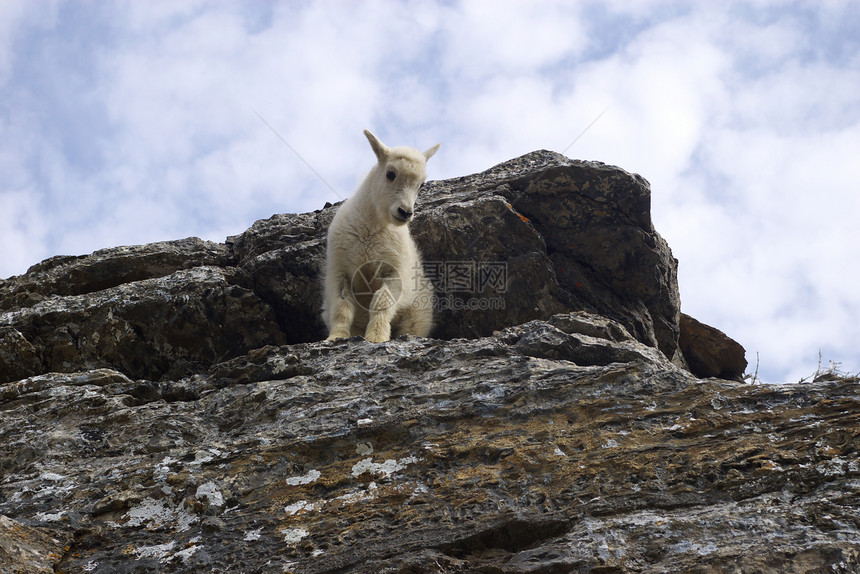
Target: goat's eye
x,y
390,175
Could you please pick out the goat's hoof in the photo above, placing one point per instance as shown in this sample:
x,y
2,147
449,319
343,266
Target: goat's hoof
x,y
377,337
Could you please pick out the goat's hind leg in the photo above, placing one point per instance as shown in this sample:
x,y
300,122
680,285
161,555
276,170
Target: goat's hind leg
x,y
417,318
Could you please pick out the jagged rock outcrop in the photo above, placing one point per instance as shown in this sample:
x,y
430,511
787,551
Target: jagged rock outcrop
x,y
171,407
530,238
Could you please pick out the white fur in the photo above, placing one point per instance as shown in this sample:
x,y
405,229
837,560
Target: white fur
x,y
369,239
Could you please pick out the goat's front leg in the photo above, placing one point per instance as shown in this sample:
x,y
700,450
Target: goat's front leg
x,y
342,314
383,307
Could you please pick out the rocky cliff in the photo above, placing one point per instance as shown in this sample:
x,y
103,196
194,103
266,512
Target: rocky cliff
x,y
170,407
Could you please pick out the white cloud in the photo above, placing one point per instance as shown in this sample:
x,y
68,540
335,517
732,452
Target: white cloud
x,y
491,39
764,229
22,231
659,97
15,15
787,243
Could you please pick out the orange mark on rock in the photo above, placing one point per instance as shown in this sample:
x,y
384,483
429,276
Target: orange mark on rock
x,y
520,215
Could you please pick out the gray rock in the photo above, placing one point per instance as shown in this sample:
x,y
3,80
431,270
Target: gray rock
x,y
283,256
18,357
106,268
537,449
709,352
167,326
528,239
572,235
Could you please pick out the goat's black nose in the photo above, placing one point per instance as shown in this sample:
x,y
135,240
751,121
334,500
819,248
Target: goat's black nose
x,y
403,213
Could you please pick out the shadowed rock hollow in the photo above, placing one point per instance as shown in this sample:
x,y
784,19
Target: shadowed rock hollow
x,y
170,407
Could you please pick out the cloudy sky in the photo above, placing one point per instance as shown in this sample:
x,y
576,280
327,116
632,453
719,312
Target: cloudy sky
x,y
129,122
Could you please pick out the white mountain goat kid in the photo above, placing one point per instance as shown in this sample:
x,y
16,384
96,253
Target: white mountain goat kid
x,y
374,283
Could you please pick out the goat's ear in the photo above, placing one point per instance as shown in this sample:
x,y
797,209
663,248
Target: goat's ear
x,y
429,153
379,148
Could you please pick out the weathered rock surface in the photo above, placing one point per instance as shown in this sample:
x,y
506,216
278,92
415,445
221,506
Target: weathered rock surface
x,y
170,407
28,549
558,446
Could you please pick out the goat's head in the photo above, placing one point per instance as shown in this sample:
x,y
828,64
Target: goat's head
x,y
397,176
